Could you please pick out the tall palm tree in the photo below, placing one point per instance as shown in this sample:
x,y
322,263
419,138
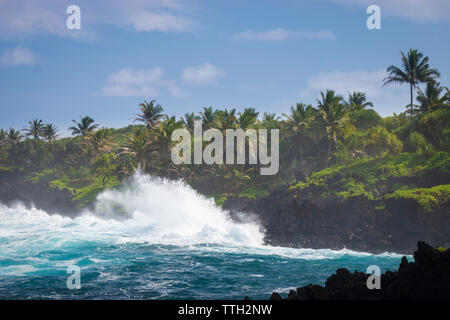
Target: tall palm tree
x,y
415,70
150,113
431,99
49,132
333,114
357,101
34,129
84,127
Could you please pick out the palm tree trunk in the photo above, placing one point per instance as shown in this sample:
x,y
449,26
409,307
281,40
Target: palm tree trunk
x,y
411,105
329,150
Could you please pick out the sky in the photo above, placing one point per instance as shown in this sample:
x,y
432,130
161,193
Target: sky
x,y
265,54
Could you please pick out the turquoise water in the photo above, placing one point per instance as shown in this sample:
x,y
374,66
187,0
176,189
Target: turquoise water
x,y
156,239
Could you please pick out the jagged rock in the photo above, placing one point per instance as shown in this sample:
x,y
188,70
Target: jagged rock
x,y
276,296
428,277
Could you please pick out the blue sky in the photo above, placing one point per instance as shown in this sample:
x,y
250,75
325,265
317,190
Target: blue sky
x,y
267,54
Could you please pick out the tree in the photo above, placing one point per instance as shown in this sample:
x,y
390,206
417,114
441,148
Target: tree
x,y
376,141
163,134
99,140
138,147
34,129
431,99
269,121
299,121
13,136
150,113
49,132
104,168
208,117
84,127
247,119
189,119
3,136
300,116
415,70
226,119
163,139
357,101
333,115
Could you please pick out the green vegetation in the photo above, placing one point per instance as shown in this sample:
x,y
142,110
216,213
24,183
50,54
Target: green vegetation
x,y
426,197
374,177
339,147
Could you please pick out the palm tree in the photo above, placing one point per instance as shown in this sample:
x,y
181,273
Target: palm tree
x,y
208,117
333,114
138,147
84,127
35,129
49,132
226,119
357,101
189,119
270,121
150,113
415,70
299,121
431,99
2,135
163,137
300,115
13,136
100,140
248,118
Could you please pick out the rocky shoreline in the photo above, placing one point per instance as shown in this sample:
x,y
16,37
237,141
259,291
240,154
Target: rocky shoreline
x,y
299,221
427,278
15,189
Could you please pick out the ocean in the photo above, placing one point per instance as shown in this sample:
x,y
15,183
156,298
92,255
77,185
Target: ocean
x,y
156,239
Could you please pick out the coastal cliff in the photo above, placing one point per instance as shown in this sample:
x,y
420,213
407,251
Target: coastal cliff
x,y
378,205
356,223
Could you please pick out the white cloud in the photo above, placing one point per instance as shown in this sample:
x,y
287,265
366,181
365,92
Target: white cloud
x,y
148,21
136,77
416,10
202,74
124,90
387,99
281,34
18,57
129,82
18,17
